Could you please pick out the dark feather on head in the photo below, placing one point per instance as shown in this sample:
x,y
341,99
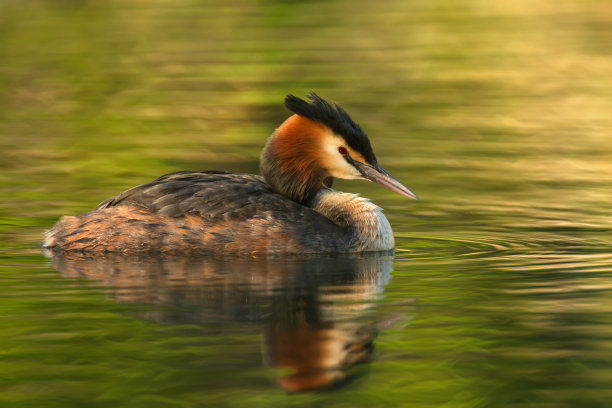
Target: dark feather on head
x,y
336,118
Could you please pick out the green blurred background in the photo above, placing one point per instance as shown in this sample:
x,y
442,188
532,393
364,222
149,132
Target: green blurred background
x,y
498,114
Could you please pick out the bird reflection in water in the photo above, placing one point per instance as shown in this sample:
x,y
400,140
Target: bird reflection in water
x,y
317,316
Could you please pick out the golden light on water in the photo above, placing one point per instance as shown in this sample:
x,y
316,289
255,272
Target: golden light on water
x,y
498,114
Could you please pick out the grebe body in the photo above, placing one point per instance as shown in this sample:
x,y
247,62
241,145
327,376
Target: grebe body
x,y
290,208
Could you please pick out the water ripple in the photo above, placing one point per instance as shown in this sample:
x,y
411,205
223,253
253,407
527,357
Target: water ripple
x,y
416,247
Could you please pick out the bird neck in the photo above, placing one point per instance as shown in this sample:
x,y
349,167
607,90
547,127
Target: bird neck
x,y
288,161
366,227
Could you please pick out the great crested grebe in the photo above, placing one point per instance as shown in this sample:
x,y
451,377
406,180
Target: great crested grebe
x,y
290,208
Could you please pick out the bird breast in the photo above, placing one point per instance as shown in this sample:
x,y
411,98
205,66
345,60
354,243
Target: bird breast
x,y
362,219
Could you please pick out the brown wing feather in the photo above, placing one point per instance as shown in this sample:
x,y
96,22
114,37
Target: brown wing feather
x,y
199,212
209,194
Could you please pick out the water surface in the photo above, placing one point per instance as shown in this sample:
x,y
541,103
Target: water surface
x,y
497,114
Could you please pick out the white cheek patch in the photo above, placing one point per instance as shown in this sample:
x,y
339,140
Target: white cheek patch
x,y
333,161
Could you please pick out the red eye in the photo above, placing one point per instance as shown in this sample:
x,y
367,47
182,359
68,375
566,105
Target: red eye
x,y
342,150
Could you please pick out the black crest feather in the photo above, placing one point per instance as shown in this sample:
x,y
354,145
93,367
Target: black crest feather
x,y
336,118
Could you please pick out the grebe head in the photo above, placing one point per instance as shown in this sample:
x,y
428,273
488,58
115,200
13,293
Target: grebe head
x,y
320,142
